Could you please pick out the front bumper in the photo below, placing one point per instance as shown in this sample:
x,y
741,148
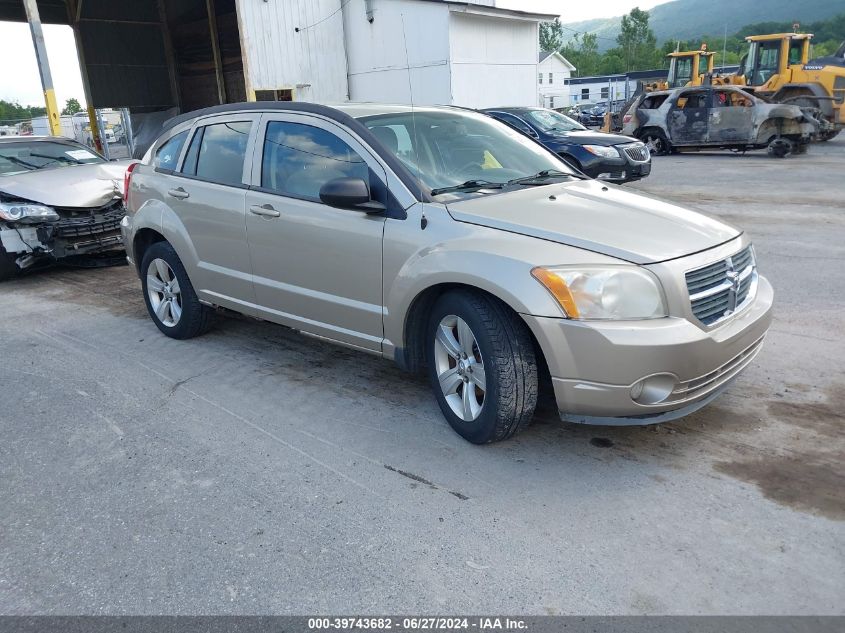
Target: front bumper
x,y
619,170
595,365
77,232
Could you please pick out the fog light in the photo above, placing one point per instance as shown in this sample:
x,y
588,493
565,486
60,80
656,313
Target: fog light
x,y
611,175
654,389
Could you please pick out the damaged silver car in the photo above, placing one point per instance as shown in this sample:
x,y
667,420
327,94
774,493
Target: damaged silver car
x,y
58,199
718,117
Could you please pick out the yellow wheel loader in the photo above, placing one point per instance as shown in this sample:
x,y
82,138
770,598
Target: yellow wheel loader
x,y
777,67
686,68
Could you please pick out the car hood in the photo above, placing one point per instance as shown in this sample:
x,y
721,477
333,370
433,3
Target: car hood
x,y
586,137
75,186
599,218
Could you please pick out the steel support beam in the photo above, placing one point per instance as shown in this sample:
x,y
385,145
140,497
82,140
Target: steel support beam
x,y
74,8
215,50
31,8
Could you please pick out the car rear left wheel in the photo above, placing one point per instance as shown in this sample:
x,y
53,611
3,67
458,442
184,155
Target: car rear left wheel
x,y
481,366
170,297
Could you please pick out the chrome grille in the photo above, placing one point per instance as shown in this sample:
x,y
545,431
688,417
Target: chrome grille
x,y
637,152
722,288
84,222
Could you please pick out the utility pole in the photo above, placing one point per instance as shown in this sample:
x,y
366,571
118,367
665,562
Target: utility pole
x,y
34,20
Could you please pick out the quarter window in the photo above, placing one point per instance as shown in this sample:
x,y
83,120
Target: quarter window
x,y
167,155
299,159
217,152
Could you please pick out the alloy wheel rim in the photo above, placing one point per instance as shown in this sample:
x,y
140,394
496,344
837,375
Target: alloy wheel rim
x,y
654,144
164,292
460,367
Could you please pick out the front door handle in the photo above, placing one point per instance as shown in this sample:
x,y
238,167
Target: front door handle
x,y
179,193
265,210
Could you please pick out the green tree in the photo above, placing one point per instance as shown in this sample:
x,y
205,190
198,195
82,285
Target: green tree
x,y
72,106
637,41
551,35
583,52
13,112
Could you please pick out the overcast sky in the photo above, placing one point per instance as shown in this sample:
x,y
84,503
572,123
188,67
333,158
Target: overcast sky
x,y
19,72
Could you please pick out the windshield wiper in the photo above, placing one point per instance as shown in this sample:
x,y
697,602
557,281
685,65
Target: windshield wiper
x,y
541,176
54,159
18,161
469,184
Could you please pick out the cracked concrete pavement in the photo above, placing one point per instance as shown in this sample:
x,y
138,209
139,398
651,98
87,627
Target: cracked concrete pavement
x,y
254,470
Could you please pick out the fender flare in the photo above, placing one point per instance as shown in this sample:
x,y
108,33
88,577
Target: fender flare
x,y
816,90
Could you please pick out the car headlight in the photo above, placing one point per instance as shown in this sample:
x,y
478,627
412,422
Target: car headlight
x,y
601,150
27,211
610,293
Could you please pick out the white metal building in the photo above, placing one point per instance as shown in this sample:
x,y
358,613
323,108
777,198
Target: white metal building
x,y
553,71
437,51
189,54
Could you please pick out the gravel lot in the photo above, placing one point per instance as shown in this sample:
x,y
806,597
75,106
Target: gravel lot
x,y
255,470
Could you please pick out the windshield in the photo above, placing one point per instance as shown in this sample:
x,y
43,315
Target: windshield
x,y
22,156
551,121
445,149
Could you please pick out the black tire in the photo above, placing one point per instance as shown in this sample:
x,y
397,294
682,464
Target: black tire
x,y
510,366
572,162
658,144
8,268
195,318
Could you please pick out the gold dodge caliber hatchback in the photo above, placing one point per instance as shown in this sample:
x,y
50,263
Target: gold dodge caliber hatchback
x,y
446,241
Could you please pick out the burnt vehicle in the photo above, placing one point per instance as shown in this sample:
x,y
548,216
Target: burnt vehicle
x,y
603,156
58,199
718,117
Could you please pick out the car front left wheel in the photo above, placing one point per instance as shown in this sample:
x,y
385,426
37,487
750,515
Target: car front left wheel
x,y
482,366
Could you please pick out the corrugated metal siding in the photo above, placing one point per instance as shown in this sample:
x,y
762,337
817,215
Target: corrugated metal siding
x,y
378,66
124,59
494,61
312,61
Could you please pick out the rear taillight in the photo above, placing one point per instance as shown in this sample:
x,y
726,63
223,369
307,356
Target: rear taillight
x,y
127,179
626,118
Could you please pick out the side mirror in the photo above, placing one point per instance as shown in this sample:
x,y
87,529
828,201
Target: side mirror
x,y
349,193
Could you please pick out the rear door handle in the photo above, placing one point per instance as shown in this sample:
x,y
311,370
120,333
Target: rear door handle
x,y
265,210
179,193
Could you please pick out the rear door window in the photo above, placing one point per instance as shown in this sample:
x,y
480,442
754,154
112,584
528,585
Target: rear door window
x,y
299,159
217,152
167,155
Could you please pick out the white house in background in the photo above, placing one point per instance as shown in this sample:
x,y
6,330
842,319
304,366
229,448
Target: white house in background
x,y
553,71
469,53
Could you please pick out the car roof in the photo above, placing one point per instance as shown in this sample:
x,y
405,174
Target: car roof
x,y
354,110
31,137
513,109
